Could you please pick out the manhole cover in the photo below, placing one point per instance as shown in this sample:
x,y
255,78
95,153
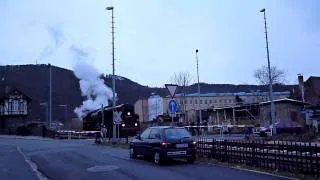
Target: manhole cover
x,y
102,168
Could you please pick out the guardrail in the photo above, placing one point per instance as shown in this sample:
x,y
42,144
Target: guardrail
x,y
276,155
70,134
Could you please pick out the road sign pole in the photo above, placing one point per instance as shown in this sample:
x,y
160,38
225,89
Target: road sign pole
x,y
172,119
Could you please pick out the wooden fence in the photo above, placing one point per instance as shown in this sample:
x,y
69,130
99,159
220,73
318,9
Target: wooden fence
x,y
276,155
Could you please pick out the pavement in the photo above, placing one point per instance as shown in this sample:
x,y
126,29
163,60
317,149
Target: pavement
x,y
41,158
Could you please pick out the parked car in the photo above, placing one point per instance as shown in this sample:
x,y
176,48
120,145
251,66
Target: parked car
x,y
164,142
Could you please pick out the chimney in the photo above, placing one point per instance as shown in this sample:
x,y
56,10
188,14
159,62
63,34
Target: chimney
x,y
301,85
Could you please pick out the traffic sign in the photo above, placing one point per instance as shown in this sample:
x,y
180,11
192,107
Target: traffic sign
x,y
117,117
172,88
172,106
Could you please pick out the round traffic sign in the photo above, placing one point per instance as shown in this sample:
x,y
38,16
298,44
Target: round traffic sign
x,y
172,106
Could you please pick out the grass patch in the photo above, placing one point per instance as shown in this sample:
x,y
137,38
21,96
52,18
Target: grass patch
x,y
242,166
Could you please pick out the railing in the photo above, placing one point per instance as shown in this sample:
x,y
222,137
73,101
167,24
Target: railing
x,y
70,134
287,156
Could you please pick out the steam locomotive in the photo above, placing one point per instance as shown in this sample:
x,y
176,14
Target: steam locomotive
x,y
129,125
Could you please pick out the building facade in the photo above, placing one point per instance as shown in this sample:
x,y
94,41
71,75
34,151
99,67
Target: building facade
x,y
141,108
149,109
288,114
208,100
155,107
13,110
312,90
192,103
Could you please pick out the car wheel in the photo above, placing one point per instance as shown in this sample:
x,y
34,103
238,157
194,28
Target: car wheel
x,y
191,159
132,153
156,158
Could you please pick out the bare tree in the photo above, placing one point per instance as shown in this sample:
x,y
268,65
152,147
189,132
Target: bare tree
x,y
182,79
278,76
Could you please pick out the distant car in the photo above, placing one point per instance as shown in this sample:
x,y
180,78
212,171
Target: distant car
x,y
164,142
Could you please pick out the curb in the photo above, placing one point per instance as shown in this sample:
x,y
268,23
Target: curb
x,y
25,137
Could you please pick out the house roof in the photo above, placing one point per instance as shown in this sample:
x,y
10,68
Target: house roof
x,y
6,90
234,94
285,100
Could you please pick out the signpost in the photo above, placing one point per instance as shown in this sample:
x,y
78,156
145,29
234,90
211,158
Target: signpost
x,y
172,105
117,121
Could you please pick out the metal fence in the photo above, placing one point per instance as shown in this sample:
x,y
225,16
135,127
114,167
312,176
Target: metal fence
x,y
287,156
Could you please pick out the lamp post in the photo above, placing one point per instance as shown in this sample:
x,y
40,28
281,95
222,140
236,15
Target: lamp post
x,y
273,115
50,98
111,8
200,115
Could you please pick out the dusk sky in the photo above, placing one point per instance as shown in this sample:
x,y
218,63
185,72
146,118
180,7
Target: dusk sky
x,y
156,38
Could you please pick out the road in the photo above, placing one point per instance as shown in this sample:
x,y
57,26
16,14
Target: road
x,y
33,159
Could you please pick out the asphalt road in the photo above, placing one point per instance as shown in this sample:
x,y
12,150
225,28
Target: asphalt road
x,y
81,159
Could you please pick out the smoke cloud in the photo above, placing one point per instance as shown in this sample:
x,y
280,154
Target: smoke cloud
x,y
94,90
57,36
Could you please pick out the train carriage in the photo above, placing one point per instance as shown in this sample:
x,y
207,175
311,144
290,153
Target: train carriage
x,y
129,125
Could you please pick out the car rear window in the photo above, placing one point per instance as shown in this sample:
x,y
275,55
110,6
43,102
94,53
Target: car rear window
x,y
176,133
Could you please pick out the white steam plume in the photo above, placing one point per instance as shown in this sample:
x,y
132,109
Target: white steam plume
x,y
92,87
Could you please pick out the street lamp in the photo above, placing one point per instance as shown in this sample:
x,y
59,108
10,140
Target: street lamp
x,y
200,115
50,95
111,8
273,115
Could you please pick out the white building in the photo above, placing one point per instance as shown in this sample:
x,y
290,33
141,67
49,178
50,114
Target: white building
x,y
155,103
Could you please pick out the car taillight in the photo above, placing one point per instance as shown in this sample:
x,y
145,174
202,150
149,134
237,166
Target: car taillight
x,y
164,144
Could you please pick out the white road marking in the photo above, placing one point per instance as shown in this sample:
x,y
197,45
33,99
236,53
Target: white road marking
x,y
32,165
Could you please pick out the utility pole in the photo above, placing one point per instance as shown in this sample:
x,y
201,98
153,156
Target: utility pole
x,y
114,129
200,116
50,98
273,114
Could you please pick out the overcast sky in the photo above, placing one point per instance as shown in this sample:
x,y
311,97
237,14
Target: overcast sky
x,y
156,38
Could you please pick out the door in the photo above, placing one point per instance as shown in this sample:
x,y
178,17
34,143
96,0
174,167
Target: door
x,y
153,141
141,143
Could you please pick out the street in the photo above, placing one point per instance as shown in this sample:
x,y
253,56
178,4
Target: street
x,y
80,159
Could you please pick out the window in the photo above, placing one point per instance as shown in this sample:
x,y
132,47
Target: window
x,y
176,133
145,134
196,101
200,101
220,100
15,106
229,100
181,102
190,101
225,101
185,101
21,107
155,134
206,101
215,101
10,107
210,101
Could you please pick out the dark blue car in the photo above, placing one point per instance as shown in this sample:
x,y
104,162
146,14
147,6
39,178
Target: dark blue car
x,y
164,142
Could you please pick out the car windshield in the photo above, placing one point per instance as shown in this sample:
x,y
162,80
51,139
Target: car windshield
x,y
176,133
